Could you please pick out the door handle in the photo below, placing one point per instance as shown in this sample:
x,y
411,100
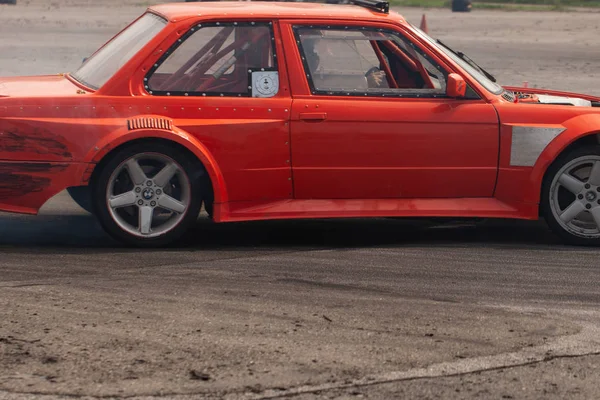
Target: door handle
x,y
313,116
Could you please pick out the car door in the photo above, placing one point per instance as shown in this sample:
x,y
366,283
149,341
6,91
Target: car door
x,y
221,82
370,119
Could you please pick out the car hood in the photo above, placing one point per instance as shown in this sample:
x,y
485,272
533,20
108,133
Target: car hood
x,y
574,101
37,86
541,96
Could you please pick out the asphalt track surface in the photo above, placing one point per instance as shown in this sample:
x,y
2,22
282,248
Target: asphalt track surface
x,y
339,309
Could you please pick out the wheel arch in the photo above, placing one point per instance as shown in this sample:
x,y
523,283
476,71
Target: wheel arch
x,y
176,137
580,131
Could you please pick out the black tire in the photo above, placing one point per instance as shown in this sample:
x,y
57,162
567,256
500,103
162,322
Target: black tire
x,y
8,1
190,166
81,195
547,197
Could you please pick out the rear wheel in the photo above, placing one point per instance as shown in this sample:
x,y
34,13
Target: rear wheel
x,y
571,196
148,194
81,196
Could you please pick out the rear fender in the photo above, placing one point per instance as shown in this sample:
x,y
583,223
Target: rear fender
x,y
168,132
575,129
26,186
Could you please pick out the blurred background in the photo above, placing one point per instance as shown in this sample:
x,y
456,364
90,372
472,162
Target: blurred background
x,y
546,43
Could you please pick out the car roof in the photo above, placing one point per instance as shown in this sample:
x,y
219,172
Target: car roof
x,y
269,9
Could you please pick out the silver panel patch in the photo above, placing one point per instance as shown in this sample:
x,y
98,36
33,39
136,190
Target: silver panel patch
x,y
528,142
265,83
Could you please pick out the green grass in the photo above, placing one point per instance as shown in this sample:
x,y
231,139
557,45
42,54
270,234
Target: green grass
x,y
506,5
421,3
563,3
519,7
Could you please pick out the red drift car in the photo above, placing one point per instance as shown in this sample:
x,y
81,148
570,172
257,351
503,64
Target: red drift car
x,y
281,110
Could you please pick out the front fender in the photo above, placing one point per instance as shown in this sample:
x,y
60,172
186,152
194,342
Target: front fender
x,y
575,129
172,133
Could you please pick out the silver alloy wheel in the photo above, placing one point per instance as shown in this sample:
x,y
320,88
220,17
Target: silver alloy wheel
x,y
575,197
148,195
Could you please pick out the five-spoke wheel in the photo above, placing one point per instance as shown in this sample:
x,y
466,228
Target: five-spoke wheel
x,y
571,196
145,194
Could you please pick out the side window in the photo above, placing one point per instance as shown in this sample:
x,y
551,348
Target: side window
x,y
367,62
218,59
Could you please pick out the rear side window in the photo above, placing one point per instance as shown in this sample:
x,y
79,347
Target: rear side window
x,y
219,59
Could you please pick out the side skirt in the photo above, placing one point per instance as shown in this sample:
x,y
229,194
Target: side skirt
x,y
365,208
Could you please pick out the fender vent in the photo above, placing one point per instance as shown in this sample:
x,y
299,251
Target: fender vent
x,y
509,96
149,123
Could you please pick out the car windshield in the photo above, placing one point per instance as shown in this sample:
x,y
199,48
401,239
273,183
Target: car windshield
x,y
474,72
110,58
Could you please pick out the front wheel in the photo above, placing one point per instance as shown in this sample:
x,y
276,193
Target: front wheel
x,y
571,196
148,194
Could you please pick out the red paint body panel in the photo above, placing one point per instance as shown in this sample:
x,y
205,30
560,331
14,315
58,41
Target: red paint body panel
x,y
258,10
523,184
37,86
295,155
353,208
26,186
576,128
235,140
394,148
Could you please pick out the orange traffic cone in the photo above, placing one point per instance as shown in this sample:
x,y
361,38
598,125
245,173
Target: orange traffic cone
x,y
423,26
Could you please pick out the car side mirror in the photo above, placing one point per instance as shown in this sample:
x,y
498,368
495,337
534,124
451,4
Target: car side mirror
x,y
456,86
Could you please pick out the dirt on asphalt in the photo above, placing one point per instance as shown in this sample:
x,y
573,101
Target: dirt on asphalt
x,y
161,323
547,49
